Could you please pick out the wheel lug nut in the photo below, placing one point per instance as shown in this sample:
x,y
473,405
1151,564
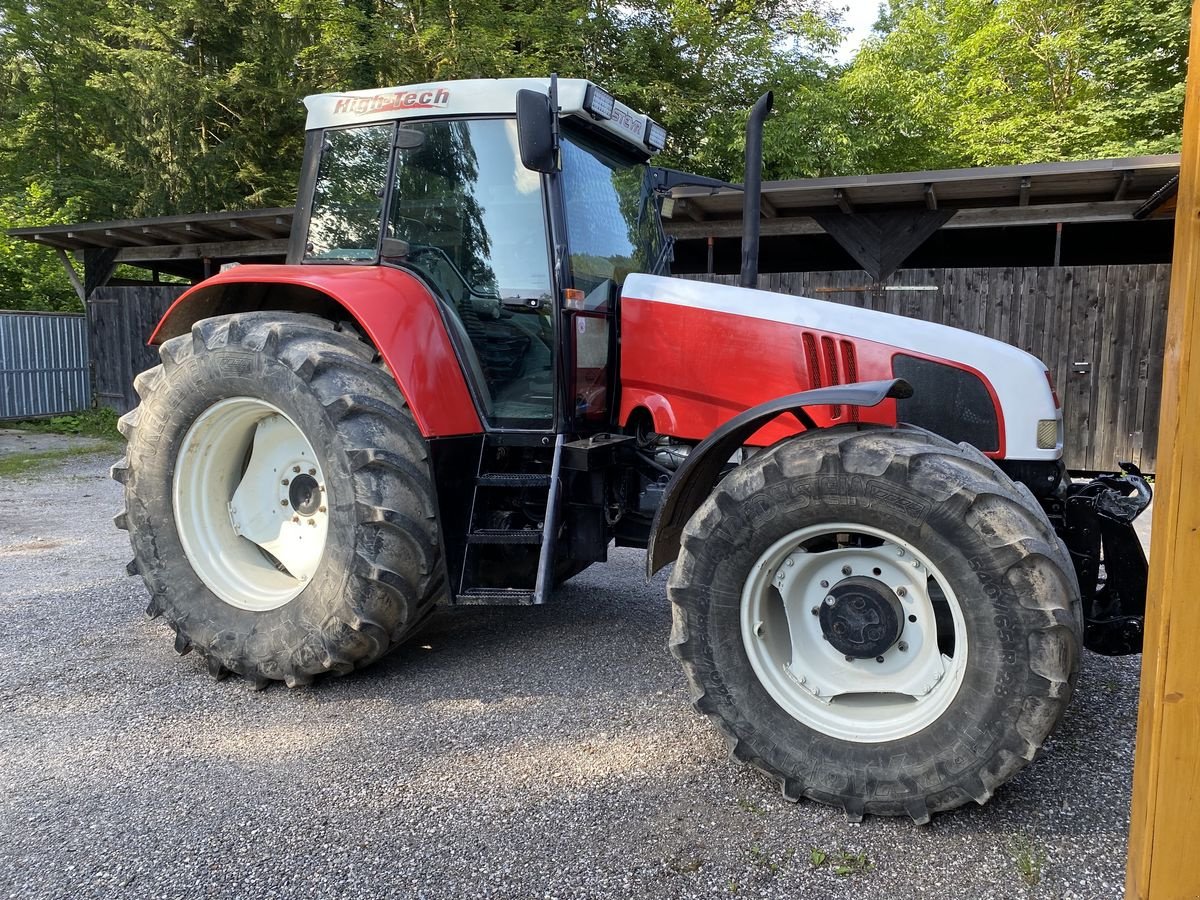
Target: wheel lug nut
x,y
791,562
829,601
312,471
296,469
902,592
846,570
824,584
286,482
849,658
903,646
879,659
296,519
916,564
283,503
321,509
912,618
312,521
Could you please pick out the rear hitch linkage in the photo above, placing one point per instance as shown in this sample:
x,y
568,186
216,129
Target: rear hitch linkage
x,y
1095,520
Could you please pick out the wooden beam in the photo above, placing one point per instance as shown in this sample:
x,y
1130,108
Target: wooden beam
x,y
127,237
72,275
784,225
843,201
881,241
1123,185
258,231
92,238
930,197
1026,184
695,213
53,240
986,217
768,209
1164,828
216,250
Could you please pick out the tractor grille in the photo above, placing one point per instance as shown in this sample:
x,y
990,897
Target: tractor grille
x,y
834,363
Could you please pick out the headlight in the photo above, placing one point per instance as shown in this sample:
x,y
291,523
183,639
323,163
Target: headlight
x,y
599,102
656,135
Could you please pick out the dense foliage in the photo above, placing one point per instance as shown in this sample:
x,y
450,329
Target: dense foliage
x,y
116,108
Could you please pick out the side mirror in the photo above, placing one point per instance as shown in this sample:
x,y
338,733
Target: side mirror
x,y
535,131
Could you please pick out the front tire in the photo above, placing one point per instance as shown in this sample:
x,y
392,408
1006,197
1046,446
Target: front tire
x,y
278,499
878,619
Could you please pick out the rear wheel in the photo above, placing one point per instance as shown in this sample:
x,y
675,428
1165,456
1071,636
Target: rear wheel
x,y
878,619
278,499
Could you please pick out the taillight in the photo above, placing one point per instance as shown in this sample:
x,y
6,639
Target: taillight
x,y
1053,392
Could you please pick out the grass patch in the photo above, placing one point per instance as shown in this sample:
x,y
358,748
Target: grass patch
x,y
1030,859
771,863
840,862
14,464
95,423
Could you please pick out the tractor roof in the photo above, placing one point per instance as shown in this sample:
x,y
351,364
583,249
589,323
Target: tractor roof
x,y
577,97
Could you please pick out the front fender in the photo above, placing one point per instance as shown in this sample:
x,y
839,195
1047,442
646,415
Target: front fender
x,y
392,308
698,475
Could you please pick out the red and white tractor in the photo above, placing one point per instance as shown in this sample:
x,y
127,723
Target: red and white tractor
x,y
474,374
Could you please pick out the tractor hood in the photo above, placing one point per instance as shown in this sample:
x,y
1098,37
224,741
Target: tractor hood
x,y
693,354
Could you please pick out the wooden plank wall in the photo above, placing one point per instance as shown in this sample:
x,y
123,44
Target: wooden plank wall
x,y
120,320
1110,319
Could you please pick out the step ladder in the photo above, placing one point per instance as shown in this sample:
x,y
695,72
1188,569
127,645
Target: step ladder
x,y
528,576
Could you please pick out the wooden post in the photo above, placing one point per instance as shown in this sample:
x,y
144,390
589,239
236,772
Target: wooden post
x,y
1165,825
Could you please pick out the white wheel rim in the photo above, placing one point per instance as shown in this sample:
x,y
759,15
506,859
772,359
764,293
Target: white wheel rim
x,y
248,491
858,700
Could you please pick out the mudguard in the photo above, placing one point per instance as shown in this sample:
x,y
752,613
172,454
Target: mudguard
x,y
698,475
395,311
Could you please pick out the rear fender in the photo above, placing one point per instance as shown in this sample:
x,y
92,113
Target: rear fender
x,y
698,475
394,310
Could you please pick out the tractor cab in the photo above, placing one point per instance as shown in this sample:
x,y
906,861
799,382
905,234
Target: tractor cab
x,y
512,201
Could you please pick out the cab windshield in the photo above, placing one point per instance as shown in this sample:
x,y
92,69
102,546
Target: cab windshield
x,y
612,220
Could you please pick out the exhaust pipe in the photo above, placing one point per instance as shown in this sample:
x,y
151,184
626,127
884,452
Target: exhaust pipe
x,y
752,190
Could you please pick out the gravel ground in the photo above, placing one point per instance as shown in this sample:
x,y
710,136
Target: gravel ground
x,y
545,752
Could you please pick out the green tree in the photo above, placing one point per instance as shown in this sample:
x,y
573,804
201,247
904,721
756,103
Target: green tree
x,y
994,82
30,276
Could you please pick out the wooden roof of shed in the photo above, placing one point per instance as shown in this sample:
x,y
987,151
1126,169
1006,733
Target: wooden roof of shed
x,y
1085,191
174,239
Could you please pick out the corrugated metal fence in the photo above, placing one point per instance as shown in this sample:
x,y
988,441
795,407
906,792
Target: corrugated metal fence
x,y
43,365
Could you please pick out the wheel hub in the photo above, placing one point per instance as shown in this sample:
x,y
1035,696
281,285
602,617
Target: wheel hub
x,y
861,617
304,494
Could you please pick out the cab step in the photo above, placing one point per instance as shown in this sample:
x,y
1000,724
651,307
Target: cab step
x,y
504,536
512,480
496,597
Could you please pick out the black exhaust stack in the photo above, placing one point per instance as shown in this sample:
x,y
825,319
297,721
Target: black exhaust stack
x,y
752,190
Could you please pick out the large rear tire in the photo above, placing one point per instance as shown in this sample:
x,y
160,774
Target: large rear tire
x,y
878,619
278,499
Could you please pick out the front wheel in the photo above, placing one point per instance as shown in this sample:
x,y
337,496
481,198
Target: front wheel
x,y
278,499
878,619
